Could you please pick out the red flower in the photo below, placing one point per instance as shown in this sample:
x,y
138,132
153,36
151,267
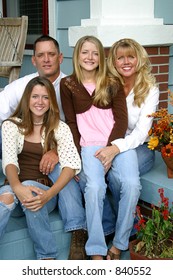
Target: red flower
x,y
165,214
157,229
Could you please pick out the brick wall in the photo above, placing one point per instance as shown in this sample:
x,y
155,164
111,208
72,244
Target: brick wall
x,y
159,57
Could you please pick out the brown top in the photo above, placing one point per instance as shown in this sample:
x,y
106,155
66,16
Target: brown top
x,y
76,99
29,160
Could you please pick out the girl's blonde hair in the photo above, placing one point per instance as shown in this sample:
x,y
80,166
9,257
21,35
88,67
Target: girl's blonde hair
x,y
144,78
51,117
102,95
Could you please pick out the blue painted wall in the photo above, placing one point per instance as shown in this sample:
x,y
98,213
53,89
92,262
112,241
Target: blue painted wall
x,y
69,13
164,9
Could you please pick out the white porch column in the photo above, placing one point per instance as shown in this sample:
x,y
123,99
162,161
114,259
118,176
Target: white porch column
x,y
112,20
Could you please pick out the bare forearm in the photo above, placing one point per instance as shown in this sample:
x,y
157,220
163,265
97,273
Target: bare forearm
x,y
66,175
21,191
12,175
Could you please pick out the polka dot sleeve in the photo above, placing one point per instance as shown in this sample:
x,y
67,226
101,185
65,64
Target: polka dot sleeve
x,y
12,143
67,151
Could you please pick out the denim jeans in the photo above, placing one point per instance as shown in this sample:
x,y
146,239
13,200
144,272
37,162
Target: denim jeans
x,y
70,203
94,195
72,208
124,183
108,218
37,222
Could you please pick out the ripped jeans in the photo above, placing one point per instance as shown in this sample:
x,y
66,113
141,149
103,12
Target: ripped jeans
x,y
37,222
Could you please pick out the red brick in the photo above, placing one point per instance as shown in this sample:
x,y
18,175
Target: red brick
x,y
155,69
159,59
164,50
106,51
164,96
161,78
152,50
163,86
163,104
163,68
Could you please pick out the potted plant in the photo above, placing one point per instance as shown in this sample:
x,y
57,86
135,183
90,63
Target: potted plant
x,y
161,135
154,235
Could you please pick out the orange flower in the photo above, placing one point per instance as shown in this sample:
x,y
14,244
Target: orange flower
x,y
161,133
167,151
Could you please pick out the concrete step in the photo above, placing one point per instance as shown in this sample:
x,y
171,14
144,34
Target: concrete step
x,y
155,179
17,244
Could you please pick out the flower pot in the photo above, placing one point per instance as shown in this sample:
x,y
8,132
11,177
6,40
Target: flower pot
x,y
169,163
135,255
139,256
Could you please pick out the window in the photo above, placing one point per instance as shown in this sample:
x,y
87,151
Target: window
x,y
37,12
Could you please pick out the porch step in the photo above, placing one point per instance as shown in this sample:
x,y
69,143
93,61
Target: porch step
x,y
155,179
17,244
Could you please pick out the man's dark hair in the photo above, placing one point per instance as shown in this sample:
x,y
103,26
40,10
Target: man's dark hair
x,y
45,38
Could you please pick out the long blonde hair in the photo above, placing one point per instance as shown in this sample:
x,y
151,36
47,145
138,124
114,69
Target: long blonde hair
x,y
102,95
51,117
144,78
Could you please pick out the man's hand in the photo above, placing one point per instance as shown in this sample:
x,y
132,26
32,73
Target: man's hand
x,y
48,162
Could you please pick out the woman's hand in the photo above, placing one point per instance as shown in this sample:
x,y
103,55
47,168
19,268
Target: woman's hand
x,y
106,155
24,192
38,200
48,162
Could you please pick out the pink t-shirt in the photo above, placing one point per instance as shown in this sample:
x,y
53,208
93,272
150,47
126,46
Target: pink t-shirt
x,y
95,125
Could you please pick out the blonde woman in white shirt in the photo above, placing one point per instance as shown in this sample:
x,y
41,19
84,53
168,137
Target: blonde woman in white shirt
x,y
130,156
32,130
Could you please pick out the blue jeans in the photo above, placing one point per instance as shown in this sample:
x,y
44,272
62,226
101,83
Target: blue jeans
x,y
124,183
94,195
37,222
71,204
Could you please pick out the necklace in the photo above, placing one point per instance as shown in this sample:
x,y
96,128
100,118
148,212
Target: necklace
x,y
38,123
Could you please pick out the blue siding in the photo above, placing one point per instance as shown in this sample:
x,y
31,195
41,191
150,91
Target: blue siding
x,y
69,13
164,9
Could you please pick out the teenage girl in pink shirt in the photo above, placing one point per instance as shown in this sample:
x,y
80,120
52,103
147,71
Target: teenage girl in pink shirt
x,y
94,105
